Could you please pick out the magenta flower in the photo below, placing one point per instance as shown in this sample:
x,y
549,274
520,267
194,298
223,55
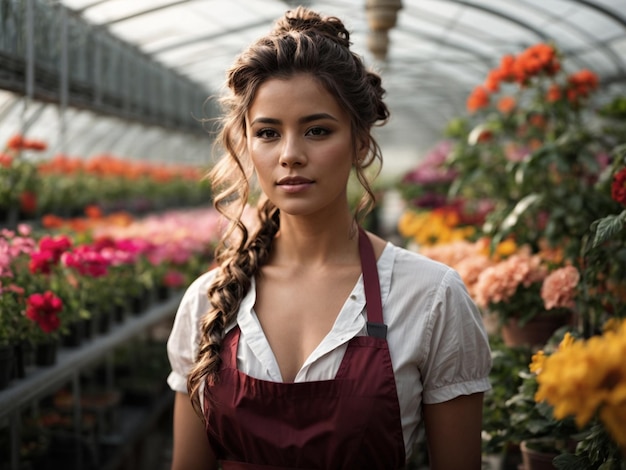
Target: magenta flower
x,y
87,261
44,309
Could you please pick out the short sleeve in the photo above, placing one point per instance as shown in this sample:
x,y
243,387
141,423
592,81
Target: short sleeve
x,y
182,344
458,361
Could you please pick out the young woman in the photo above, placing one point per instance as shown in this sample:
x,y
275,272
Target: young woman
x,y
314,344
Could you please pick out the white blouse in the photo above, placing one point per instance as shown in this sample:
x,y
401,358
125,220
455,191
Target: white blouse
x,y
437,341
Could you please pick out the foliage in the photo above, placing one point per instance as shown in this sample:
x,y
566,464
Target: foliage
x,y
533,146
508,364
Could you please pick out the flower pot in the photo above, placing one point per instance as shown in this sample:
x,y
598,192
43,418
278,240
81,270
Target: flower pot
x,y
119,313
535,332
75,334
46,353
103,319
535,459
6,364
24,357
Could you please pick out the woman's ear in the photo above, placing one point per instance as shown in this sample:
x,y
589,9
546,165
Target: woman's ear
x,y
362,151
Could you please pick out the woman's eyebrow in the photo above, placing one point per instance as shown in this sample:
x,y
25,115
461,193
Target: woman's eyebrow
x,y
302,120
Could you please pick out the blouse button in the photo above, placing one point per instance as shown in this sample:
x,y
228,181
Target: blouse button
x,y
353,297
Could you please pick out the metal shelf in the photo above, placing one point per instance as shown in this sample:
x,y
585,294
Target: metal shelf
x,y
43,380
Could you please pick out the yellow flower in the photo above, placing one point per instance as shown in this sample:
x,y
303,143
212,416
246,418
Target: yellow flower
x,y
567,341
537,362
506,248
582,378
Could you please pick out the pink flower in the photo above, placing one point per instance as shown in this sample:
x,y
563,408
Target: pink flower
x,y
174,278
471,268
43,309
559,288
87,261
500,282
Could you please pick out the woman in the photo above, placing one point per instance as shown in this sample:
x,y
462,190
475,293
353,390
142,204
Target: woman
x,y
318,345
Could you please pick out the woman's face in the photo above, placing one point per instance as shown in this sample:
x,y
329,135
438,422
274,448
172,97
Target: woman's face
x,y
300,143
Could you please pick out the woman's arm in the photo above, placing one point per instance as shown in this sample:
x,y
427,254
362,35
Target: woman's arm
x,y
191,446
453,432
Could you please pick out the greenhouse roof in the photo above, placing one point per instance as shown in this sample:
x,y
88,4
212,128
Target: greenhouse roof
x,y
438,52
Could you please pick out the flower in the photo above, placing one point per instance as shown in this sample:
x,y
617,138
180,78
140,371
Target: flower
x,y
511,287
529,145
618,188
587,378
559,288
43,309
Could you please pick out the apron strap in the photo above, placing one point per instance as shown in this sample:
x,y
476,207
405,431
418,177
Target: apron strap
x,y
375,325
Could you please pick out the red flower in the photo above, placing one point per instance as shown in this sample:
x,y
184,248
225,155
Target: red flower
x,y
28,202
174,279
43,309
618,188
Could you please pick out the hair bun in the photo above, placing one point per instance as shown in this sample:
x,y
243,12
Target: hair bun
x,y
303,20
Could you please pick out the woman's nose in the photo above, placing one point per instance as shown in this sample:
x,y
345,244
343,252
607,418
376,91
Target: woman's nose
x,y
292,153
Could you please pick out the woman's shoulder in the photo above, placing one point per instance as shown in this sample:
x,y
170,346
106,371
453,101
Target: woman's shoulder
x,y
195,299
413,263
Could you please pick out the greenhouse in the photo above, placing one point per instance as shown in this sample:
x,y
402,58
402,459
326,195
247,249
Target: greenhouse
x,y
503,161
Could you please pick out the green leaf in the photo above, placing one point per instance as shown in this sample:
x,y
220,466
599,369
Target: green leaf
x,y
511,220
607,228
567,461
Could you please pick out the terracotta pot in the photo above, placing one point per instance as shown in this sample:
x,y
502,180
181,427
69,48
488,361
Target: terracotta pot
x,y
536,460
534,333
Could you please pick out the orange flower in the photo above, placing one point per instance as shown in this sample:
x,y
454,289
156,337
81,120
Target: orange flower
x,y
554,93
93,212
492,82
506,104
478,99
52,221
16,142
37,145
537,59
580,84
507,68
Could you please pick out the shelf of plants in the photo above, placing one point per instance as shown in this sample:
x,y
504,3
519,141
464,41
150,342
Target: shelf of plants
x,y
85,410
98,251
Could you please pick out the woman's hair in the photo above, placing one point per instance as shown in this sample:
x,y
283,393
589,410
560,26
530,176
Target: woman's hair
x,y
302,41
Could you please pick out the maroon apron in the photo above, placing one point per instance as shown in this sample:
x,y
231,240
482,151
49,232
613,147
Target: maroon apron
x,y
351,422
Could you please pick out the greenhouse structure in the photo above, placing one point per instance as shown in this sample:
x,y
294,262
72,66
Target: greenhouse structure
x,y
503,158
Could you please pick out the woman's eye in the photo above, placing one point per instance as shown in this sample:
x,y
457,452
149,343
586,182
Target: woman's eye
x,y
318,131
266,133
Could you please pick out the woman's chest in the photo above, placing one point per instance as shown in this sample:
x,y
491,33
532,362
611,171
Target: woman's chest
x,y
296,313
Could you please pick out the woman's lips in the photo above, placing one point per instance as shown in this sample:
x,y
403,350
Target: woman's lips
x,y
294,184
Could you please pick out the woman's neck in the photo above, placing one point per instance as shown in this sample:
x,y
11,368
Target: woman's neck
x,y
300,242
